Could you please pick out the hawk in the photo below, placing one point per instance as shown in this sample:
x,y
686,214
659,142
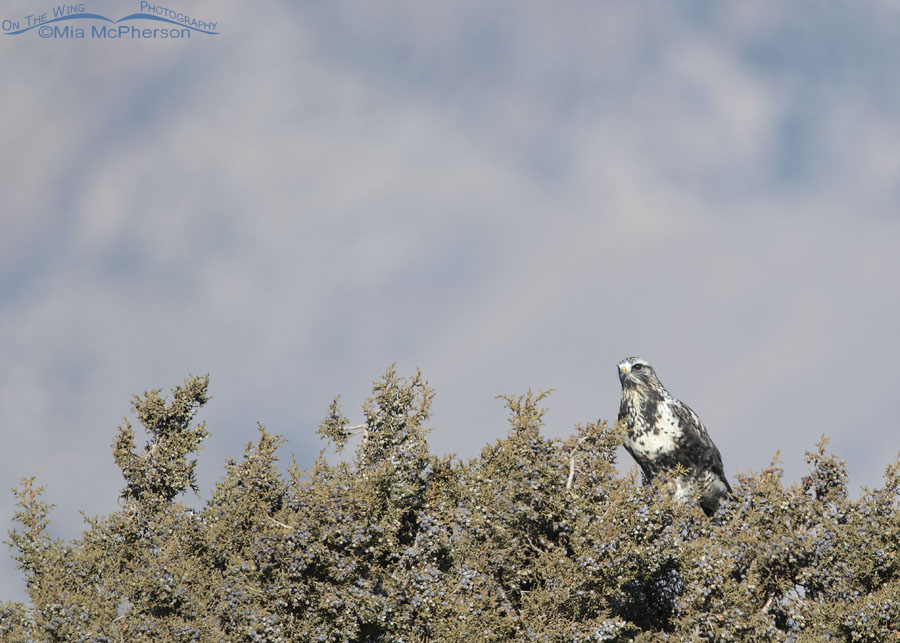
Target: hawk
x,y
663,432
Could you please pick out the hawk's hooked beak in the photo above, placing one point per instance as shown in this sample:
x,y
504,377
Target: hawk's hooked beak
x,y
624,370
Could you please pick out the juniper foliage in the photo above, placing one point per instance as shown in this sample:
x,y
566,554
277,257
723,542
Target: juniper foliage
x,y
535,540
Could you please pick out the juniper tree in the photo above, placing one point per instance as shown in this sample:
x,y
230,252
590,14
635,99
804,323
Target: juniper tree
x,y
535,539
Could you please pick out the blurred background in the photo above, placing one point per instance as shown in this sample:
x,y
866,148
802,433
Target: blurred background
x,y
508,196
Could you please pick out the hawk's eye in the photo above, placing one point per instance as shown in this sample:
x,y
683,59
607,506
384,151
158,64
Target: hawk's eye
x,y
637,367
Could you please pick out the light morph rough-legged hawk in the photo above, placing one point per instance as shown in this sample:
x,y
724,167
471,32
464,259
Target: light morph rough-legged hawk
x,y
663,433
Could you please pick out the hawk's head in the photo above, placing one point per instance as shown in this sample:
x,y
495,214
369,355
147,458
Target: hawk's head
x,y
636,372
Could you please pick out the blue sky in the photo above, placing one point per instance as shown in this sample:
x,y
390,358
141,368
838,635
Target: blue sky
x,y
506,196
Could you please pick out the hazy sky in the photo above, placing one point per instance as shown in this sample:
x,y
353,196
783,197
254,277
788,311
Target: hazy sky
x,y
507,195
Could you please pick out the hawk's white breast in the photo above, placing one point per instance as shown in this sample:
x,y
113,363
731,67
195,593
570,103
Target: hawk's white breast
x,y
657,436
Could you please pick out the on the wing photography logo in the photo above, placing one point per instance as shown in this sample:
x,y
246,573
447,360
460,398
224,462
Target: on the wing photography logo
x,y
74,21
